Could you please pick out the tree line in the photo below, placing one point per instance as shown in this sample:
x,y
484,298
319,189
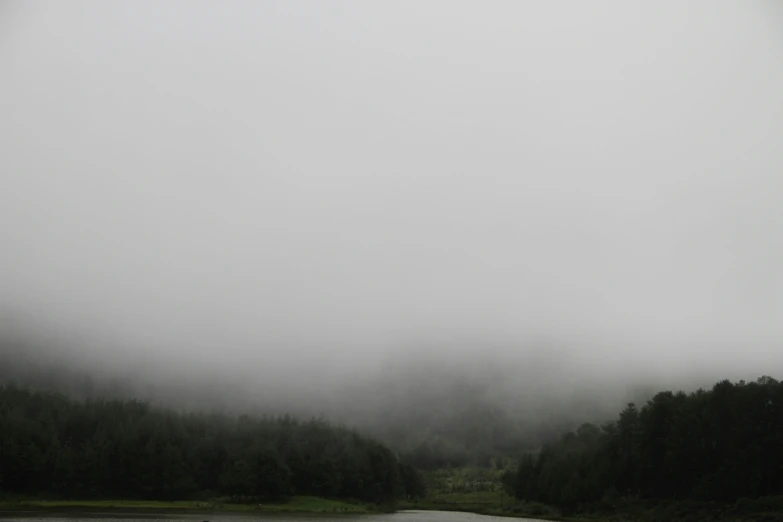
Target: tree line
x,y
124,449
438,417
719,445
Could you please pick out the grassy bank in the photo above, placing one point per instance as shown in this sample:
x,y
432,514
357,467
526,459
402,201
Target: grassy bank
x,y
299,504
476,490
494,503
483,502
765,509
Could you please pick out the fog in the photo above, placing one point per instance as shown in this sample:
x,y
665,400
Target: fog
x,y
311,195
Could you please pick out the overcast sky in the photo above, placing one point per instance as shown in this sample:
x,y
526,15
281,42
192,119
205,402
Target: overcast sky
x,y
281,181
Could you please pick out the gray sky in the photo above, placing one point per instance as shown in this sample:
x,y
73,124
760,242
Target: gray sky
x,y
280,182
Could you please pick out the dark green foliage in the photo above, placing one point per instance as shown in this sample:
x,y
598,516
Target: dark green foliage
x,y
711,446
436,416
127,449
415,487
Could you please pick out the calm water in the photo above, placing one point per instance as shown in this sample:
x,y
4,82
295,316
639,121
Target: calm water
x,y
403,516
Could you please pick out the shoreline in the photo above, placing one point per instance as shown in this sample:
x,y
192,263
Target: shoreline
x,y
298,506
294,506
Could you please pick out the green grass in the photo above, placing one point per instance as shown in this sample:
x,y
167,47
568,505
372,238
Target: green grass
x,y
475,490
298,504
315,505
767,509
141,504
495,503
474,497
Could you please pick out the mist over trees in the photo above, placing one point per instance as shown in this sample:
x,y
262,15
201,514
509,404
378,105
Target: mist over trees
x,y
467,234
435,413
93,439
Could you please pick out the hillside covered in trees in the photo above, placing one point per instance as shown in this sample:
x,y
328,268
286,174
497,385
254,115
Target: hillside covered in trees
x,y
74,431
125,449
435,412
723,445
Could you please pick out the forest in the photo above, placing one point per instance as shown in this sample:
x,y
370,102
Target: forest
x,y
434,414
76,434
723,445
125,449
